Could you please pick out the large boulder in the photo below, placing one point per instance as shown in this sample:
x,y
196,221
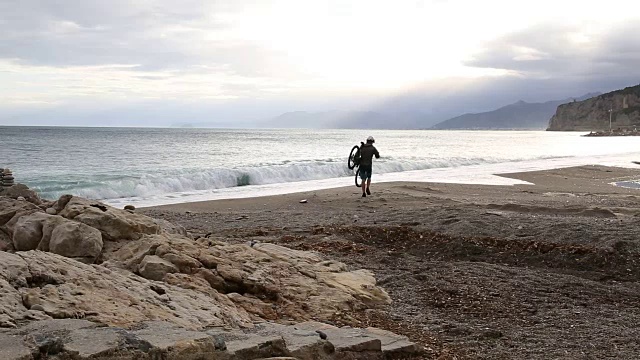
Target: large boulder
x,y
115,224
21,190
170,228
39,230
76,240
155,268
27,231
11,210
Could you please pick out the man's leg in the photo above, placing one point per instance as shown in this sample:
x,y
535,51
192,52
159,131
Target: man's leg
x,y
365,174
368,186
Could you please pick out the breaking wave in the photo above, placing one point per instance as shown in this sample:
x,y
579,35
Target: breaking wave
x,y
115,186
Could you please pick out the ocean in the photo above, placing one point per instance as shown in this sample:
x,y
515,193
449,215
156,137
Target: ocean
x,y
153,166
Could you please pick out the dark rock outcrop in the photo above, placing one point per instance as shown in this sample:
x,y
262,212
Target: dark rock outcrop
x,y
593,114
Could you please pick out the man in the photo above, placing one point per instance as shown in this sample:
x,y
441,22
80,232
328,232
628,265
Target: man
x,y
366,160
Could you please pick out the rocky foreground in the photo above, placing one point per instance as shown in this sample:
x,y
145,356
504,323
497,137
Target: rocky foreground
x,y
83,280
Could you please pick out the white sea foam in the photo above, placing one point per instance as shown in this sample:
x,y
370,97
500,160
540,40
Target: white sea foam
x,y
190,181
486,174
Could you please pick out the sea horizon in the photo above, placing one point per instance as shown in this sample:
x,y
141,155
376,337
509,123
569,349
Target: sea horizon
x,y
271,128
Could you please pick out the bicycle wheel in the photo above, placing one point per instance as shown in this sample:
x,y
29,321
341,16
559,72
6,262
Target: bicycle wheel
x,y
351,160
358,180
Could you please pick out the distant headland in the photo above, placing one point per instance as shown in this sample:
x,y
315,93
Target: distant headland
x,y
616,113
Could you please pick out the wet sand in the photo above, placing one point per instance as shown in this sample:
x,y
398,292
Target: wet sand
x,y
548,270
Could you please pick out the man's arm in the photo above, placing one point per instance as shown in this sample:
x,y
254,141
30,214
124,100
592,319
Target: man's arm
x,y
376,153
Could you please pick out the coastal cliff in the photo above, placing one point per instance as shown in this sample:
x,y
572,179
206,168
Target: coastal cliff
x,y
593,114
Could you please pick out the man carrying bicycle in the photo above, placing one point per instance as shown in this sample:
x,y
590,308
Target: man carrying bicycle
x,y
367,151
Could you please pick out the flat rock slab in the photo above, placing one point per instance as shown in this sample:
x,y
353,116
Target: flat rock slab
x,y
97,343
344,339
12,347
168,340
304,344
369,339
55,326
81,339
250,345
393,343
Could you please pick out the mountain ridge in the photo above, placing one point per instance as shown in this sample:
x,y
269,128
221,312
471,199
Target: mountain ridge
x,y
517,115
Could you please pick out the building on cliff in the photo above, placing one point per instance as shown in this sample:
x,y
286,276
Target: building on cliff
x,y
593,114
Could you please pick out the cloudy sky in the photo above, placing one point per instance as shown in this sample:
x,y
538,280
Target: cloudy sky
x,y
163,62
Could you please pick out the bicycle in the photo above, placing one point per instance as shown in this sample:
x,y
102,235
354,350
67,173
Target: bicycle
x,y
353,162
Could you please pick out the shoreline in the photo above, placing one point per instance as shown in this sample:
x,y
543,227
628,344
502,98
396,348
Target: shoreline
x,y
535,178
487,174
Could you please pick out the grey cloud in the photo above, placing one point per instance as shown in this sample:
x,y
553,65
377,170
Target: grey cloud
x,y
554,54
152,34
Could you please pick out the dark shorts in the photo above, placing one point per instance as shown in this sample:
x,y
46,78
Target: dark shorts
x,y
365,172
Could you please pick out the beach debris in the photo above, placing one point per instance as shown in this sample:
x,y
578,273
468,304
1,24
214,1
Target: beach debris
x,y
303,201
496,213
129,207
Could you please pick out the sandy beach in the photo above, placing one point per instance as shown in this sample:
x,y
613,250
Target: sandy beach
x,y
548,270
